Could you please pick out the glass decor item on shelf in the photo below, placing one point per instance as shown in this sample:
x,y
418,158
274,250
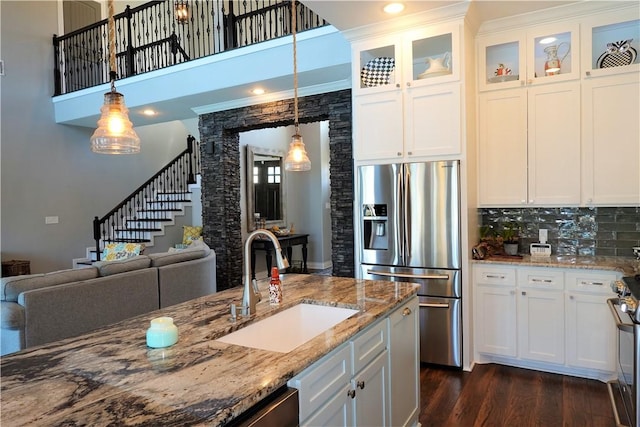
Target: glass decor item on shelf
x,y
553,64
617,54
377,72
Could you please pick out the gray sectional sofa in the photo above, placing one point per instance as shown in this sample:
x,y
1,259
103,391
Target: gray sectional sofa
x,y
41,308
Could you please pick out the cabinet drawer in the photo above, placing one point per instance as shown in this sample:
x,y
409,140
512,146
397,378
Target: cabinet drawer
x,y
368,345
323,380
491,275
541,278
592,282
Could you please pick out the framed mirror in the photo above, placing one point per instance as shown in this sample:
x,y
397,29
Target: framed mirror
x,y
266,192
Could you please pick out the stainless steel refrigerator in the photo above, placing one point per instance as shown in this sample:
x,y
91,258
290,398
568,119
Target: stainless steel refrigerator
x,y
409,231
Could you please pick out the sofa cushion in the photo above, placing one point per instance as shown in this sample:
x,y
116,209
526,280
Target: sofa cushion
x,y
180,255
15,285
191,233
116,251
107,268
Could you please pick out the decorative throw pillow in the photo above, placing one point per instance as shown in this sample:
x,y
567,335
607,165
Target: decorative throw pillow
x,y
191,233
116,251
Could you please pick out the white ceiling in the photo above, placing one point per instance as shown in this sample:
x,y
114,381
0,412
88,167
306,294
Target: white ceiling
x,y
349,14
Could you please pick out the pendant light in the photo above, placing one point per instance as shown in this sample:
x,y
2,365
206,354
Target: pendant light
x,y
115,134
297,159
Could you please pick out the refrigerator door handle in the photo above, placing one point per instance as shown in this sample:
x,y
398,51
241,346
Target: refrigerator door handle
x,y
400,221
407,213
434,305
410,276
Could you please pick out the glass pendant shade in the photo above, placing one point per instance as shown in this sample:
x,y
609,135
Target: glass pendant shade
x,y
297,159
115,134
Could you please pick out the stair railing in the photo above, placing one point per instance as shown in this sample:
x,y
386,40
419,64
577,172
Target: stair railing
x,y
164,192
150,36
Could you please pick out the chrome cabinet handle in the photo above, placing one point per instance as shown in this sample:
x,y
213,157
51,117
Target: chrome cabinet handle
x,y
360,385
542,280
351,393
493,276
406,311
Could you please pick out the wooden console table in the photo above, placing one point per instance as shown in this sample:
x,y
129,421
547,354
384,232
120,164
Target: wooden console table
x,y
286,242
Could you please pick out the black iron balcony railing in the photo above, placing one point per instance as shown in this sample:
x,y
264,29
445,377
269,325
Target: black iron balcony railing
x,y
152,36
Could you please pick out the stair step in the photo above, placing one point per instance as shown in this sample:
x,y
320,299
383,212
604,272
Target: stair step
x,y
159,210
127,241
150,219
136,229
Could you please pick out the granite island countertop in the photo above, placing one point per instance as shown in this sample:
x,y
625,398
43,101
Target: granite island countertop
x,y
111,377
628,266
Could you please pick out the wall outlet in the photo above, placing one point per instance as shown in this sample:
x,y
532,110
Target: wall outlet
x,y
51,220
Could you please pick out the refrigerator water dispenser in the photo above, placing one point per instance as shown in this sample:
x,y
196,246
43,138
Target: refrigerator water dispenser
x,y
375,234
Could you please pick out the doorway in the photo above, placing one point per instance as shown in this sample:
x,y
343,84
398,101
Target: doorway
x,y
221,184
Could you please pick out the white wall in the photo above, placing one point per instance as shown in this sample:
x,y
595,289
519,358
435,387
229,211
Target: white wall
x,y
48,169
307,192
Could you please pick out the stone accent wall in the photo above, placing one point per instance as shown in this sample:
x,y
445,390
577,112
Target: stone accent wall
x,y
220,152
610,231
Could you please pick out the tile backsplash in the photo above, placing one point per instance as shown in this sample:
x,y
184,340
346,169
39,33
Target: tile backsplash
x,y
572,231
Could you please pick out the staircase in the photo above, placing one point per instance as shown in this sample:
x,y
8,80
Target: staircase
x,y
145,213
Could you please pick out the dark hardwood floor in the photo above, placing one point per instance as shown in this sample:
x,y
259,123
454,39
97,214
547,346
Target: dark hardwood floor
x,y
495,395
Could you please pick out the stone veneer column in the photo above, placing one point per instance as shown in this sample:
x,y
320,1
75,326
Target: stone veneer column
x,y
219,133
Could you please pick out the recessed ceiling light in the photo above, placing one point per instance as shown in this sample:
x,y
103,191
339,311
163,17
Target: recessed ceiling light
x,y
148,112
258,91
394,8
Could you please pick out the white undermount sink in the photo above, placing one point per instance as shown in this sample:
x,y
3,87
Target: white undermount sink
x,y
289,328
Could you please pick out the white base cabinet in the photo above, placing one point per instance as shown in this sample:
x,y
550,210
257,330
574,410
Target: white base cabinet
x,y
372,380
550,319
404,363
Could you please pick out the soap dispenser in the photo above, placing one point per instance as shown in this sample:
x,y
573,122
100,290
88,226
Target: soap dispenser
x,y
275,287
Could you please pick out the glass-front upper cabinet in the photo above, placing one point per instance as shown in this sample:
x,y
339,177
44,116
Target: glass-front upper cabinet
x,y
432,55
377,62
611,44
501,61
553,55
415,57
541,55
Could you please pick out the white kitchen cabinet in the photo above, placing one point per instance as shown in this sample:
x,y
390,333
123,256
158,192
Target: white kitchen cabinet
x,y
371,390
404,373
495,310
610,93
541,314
407,112
353,384
529,146
591,332
552,319
610,140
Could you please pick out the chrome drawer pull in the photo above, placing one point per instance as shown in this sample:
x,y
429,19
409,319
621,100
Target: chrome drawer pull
x,y
542,280
493,276
592,283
